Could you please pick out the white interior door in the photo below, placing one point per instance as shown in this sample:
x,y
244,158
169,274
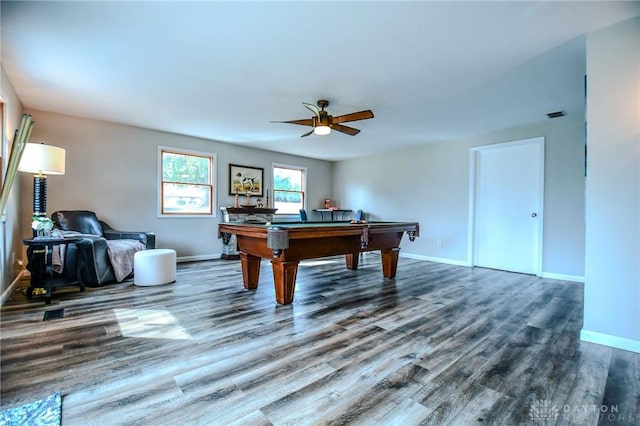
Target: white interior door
x,y
508,183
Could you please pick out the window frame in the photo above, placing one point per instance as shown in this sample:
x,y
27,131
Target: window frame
x,y
213,158
304,171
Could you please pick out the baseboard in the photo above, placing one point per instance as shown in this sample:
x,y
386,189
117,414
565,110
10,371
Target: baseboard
x,y
563,277
435,259
198,258
609,340
12,287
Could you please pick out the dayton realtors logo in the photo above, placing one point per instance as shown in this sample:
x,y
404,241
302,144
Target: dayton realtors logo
x,y
544,411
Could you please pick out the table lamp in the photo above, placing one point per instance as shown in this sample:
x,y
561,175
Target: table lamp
x,y
41,160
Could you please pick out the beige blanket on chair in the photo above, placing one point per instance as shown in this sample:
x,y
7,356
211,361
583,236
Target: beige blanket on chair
x,y
58,252
121,256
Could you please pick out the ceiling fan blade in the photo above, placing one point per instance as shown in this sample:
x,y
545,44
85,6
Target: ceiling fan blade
x,y
345,129
314,109
354,116
308,133
302,122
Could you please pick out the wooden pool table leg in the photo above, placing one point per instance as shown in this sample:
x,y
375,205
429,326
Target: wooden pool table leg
x,y
250,270
390,261
352,260
284,280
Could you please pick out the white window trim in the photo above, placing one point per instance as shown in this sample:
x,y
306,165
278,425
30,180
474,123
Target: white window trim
x,y
304,183
214,190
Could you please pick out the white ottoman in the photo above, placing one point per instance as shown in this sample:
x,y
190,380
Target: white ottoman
x,y
154,267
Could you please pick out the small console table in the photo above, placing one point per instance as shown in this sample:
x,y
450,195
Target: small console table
x,y
247,214
333,213
39,254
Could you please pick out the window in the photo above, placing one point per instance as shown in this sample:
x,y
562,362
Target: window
x,y
289,186
186,182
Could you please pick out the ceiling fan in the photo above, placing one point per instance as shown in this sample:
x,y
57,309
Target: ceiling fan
x,y
323,123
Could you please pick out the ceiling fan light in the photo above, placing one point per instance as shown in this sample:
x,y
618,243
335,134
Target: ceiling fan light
x,y
322,130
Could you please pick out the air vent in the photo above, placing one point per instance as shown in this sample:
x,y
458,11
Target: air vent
x,y
556,114
53,314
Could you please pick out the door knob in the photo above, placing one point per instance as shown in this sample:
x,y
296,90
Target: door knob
x,y
534,214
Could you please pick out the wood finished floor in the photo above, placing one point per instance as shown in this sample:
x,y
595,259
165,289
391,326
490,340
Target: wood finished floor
x,y
440,344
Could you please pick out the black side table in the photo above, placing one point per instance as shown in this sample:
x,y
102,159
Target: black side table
x,y
40,265
333,213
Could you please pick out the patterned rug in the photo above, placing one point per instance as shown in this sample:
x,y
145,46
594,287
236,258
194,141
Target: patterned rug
x,y
47,411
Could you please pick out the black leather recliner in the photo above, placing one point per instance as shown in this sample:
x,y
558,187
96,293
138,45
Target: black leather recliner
x,y
87,260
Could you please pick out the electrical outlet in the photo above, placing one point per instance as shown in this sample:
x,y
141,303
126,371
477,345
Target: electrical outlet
x,y
439,243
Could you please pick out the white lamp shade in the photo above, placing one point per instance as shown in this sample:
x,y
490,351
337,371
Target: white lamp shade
x,y
42,159
322,130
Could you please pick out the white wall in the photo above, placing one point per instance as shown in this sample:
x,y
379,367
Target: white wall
x,y
612,276
10,235
112,170
430,184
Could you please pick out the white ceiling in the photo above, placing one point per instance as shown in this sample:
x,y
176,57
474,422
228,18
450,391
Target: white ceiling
x,y
222,70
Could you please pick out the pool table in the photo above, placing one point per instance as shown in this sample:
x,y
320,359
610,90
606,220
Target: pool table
x,y
287,243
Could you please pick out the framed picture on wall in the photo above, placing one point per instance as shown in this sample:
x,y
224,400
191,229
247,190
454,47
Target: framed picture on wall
x,y
243,179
